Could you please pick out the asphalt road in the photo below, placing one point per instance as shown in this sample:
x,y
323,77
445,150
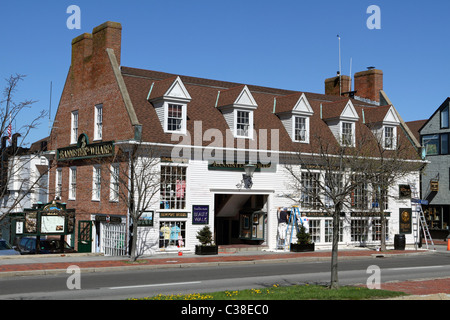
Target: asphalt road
x,y
142,283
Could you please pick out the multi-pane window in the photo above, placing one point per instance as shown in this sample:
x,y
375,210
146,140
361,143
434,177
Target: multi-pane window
x,y
329,231
96,183
173,187
389,138
300,129
73,183
114,187
360,196
310,190
175,117
347,133
172,234
376,229
98,130
242,123
359,230
58,183
74,126
314,230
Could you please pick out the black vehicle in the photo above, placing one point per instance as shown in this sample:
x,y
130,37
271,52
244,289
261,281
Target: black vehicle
x,y
27,245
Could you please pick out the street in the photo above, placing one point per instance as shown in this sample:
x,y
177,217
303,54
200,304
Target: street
x,y
142,283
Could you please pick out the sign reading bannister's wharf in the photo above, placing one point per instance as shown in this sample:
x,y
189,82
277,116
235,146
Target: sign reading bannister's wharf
x,y
85,150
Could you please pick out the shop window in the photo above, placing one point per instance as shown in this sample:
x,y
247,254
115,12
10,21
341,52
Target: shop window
x,y
359,230
172,234
329,231
314,230
376,229
173,187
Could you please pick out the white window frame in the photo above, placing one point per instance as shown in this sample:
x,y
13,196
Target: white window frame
x,y
114,183
306,129
182,128
237,132
74,127
98,120
72,183
58,182
96,183
352,137
393,138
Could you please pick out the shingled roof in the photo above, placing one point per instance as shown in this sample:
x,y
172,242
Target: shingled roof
x,y
208,94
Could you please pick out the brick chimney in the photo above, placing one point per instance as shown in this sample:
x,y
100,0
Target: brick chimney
x,y
368,84
89,57
338,85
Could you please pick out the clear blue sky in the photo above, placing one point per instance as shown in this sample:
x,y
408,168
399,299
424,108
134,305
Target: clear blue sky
x,y
288,44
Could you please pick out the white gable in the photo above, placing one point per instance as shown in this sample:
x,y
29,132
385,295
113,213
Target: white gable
x,y
302,106
245,99
349,112
391,117
178,90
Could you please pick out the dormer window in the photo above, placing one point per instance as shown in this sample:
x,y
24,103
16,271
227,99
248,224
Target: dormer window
x,y
237,105
175,120
347,134
170,99
383,122
244,121
341,117
389,137
294,112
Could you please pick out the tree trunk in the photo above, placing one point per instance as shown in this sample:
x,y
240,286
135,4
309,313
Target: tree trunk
x,y
334,251
133,254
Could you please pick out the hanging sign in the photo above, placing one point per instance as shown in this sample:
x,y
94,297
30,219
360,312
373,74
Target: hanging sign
x,y
405,220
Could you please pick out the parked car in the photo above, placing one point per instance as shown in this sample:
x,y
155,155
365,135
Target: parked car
x,y
27,245
6,249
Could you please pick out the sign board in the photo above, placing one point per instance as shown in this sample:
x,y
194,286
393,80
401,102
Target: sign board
x,y
200,214
434,186
146,219
405,220
173,214
84,150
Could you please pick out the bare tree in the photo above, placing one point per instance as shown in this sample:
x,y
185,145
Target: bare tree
x,y
332,179
18,170
135,181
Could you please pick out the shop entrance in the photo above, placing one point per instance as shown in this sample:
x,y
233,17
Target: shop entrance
x,y
232,226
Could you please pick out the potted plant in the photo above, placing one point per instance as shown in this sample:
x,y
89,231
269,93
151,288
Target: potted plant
x,y
206,247
303,241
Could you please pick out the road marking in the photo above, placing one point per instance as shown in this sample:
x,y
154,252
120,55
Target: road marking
x,y
414,268
156,285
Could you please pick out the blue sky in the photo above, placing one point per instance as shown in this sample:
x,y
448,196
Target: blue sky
x,y
288,44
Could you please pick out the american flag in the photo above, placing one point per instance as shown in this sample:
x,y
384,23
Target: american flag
x,y
9,131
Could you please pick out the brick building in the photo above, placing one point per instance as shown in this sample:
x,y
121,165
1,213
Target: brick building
x,y
190,125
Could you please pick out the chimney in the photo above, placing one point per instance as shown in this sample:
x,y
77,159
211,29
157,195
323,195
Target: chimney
x,y
338,85
368,84
107,35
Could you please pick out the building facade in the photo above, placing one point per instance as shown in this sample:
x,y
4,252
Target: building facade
x,y
197,136
434,135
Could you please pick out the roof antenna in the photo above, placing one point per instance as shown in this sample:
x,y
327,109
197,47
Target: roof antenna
x,y
50,110
340,67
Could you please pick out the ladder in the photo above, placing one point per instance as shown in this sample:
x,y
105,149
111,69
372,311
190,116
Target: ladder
x,y
291,229
416,203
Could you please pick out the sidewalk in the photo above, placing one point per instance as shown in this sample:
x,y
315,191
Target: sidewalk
x,y
11,266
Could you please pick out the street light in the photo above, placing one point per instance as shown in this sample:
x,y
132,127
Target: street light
x,y
248,175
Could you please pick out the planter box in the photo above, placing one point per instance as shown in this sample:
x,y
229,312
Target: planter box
x,y
206,250
302,247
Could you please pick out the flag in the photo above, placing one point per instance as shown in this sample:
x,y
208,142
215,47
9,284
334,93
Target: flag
x,y
9,131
